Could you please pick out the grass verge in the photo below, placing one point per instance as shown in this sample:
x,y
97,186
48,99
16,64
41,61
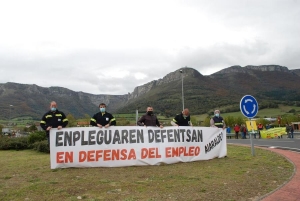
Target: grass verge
x,y
26,175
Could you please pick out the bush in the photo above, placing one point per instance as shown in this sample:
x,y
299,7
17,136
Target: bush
x,y
292,111
16,143
123,122
41,146
36,137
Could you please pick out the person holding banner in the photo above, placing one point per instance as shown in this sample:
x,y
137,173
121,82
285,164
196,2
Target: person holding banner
x,y
149,119
103,118
182,119
217,120
53,119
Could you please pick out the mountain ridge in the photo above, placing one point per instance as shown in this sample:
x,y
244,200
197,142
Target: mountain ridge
x,y
202,93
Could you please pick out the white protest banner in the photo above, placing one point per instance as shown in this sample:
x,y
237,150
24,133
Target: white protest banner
x,y
118,146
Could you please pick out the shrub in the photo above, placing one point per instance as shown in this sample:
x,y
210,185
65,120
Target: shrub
x,y
292,111
16,143
36,137
41,146
123,122
4,143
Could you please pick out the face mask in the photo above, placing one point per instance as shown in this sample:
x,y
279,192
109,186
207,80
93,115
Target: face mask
x,y
217,114
102,110
150,112
53,109
185,116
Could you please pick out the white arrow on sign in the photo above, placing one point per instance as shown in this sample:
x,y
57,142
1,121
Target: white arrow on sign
x,y
247,100
254,107
245,109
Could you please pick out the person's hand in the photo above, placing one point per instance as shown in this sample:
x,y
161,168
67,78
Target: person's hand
x,y
161,126
49,127
99,125
145,126
59,127
106,126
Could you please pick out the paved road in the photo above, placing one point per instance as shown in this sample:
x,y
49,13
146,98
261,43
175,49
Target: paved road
x,y
283,143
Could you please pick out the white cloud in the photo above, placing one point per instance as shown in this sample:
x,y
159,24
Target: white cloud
x,y
99,46
140,76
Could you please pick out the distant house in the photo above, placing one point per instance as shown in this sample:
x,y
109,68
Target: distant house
x,y
271,119
83,124
38,126
296,125
6,131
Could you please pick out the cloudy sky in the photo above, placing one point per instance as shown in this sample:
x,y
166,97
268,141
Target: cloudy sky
x,y
112,46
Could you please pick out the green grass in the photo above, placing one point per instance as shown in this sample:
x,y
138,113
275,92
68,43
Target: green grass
x,y
26,175
21,121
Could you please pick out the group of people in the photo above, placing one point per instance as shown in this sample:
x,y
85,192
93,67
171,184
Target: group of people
x,y
240,128
289,130
243,130
57,119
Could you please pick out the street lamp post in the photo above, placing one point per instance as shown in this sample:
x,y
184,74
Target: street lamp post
x,y
181,71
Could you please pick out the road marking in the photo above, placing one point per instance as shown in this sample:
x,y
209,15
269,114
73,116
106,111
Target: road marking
x,y
276,141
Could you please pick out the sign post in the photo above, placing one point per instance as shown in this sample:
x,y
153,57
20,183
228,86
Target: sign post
x,y
249,108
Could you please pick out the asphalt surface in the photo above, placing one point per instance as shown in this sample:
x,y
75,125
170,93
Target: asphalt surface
x,y
282,143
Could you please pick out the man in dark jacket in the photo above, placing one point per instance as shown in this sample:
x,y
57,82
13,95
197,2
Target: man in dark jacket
x,y
53,119
217,120
103,118
182,119
149,119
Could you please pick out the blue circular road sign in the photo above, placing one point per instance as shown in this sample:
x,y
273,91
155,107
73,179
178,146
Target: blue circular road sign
x,y
249,106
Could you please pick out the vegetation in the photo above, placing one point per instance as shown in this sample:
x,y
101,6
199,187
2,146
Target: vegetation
x,y
287,113
36,140
26,175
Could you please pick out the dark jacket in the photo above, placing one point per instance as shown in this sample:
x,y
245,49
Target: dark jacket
x,y
53,119
103,119
148,120
180,120
218,122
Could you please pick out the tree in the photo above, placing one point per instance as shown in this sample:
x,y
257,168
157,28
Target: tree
x,y
207,121
194,121
32,128
87,117
72,120
229,121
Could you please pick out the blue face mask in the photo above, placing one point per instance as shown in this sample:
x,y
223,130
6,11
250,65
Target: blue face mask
x,y
53,109
217,114
102,110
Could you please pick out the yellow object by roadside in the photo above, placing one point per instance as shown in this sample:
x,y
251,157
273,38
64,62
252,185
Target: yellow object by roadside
x,y
251,125
272,133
